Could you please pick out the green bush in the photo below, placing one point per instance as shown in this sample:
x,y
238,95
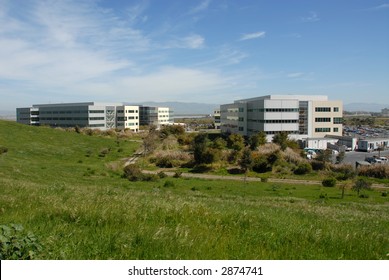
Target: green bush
x,y
104,152
303,168
318,165
261,165
3,150
15,244
133,173
329,182
168,184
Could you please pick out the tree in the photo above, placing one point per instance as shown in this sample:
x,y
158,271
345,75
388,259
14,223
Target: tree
x,y
257,140
236,142
201,151
360,185
325,156
246,162
340,157
150,141
219,143
281,138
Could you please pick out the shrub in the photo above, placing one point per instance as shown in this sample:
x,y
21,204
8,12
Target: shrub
x,y
161,174
264,179
104,152
323,196
201,168
168,184
261,165
133,173
360,185
380,171
303,168
169,159
345,171
177,174
384,194
149,177
15,244
318,165
292,157
3,150
329,182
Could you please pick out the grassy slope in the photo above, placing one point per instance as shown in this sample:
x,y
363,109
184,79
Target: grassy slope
x,y
55,184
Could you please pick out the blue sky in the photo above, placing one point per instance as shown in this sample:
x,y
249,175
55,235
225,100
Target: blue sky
x,y
205,51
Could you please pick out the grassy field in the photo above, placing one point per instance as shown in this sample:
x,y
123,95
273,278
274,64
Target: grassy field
x,y
67,189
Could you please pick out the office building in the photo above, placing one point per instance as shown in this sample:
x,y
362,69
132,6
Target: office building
x,y
156,116
299,116
93,115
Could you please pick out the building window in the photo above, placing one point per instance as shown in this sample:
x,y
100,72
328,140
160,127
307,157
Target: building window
x,y
322,129
322,109
96,111
96,118
241,119
240,128
338,120
336,129
241,110
322,119
97,125
336,109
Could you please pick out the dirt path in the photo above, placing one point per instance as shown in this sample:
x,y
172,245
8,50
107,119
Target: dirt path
x,y
248,179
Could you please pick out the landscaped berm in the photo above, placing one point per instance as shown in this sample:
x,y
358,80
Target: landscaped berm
x,y
63,195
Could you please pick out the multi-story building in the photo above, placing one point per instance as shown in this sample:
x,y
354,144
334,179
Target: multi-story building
x,y
90,114
216,118
155,116
299,116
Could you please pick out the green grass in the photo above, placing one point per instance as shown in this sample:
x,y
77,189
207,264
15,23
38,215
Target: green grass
x,y
56,184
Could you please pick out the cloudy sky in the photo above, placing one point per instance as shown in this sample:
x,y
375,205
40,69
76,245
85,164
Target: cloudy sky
x,y
205,51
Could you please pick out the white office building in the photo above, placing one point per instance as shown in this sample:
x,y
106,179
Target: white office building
x,y
92,115
300,116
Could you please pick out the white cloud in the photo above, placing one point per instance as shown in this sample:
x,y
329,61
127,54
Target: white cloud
x,y
313,17
251,36
201,7
380,7
193,41
174,80
295,75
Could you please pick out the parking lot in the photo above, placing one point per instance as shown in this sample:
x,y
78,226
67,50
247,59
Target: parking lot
x,y
352,157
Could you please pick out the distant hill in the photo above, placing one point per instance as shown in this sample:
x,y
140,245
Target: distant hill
x,y
8,115
364,107
182,108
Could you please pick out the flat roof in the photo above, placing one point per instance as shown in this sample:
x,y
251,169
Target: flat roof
x,y
287,97
78,104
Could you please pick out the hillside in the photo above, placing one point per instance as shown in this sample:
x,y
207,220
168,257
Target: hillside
x,y
67,189
45,155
